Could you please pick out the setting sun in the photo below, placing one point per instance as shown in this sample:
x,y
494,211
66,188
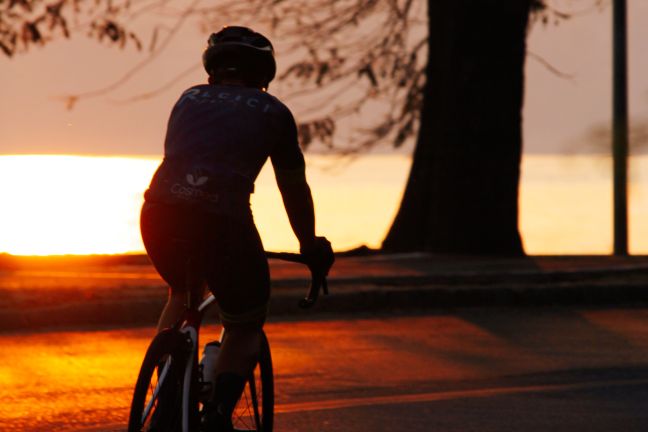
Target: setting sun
x,y
71,204
90,205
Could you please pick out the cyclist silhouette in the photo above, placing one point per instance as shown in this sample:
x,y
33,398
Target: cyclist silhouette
x,y
197,207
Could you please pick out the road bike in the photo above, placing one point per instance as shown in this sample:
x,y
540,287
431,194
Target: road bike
x,y
170,384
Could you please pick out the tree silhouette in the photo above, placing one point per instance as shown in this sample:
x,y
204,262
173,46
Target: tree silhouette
x,y
462,192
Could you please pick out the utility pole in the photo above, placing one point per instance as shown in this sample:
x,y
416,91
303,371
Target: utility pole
x,y
620,127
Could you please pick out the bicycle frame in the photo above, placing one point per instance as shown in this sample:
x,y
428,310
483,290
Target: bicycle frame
x,y
189,325
189,328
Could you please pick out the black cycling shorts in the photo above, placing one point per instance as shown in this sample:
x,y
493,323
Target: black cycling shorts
x,y
229,250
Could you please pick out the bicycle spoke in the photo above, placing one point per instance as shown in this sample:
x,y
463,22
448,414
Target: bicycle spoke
x,y
155,399
243,411
247,415
155,391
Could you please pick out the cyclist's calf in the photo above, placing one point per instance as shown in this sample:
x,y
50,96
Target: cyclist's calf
x,y
239,350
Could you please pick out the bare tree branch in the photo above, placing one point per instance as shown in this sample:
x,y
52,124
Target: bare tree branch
x,y
158,90
554,70
349,57
72,99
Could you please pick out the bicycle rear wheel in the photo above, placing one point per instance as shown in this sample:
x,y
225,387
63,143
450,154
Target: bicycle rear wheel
x,y
157,399
255,409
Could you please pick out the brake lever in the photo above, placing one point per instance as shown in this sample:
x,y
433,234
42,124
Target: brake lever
x,y
317,281
325,286
310,300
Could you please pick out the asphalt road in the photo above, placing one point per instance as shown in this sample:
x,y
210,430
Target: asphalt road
x,y
508,369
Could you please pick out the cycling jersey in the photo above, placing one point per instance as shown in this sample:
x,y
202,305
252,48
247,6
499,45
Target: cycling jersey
x,y
218,139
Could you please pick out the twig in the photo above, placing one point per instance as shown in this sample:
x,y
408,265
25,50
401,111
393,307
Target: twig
x,y
549,66
71,100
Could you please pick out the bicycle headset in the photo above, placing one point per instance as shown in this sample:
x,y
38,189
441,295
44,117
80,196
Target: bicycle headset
x,y
241,53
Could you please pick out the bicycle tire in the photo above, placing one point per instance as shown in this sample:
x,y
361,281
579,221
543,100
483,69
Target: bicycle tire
x,y
157,398
255,409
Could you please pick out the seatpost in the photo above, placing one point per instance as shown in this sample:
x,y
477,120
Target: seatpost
x,y
193,282
189,302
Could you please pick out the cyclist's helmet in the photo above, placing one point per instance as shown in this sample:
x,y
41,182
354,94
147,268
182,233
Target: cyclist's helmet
x,y
241,52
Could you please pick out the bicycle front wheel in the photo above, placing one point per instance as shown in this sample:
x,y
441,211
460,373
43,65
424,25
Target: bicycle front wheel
x,y
157,399
255,409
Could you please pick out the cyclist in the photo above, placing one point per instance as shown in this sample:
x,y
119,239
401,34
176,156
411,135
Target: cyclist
x,y
197,213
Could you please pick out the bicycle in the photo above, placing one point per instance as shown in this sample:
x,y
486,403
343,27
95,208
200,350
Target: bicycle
x,y
167,395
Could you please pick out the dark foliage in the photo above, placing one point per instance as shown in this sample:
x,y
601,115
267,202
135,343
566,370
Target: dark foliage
x,y
25,23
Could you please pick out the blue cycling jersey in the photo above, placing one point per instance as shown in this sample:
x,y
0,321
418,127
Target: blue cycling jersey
x,y
218,139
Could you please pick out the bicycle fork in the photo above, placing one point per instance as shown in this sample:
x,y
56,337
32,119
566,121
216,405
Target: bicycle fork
x,y
190,410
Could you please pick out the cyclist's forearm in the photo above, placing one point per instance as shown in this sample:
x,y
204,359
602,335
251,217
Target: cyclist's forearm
x,y
301,214
298,202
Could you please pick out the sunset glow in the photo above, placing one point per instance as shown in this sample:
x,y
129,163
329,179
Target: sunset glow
x,y
70,204
90,205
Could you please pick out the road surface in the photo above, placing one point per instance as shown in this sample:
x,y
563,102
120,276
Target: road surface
x,y
526,369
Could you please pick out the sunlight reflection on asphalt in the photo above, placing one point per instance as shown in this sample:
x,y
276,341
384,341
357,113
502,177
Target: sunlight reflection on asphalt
x,y
60,381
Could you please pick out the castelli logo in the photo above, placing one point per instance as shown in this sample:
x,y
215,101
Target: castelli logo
x,y
197,180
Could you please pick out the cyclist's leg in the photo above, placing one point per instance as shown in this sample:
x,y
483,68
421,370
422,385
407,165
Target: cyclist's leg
x,y
176,305
170,233
237,358
239,278
239,350
173,309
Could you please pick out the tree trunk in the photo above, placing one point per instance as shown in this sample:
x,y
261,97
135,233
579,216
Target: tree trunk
x,y
462,192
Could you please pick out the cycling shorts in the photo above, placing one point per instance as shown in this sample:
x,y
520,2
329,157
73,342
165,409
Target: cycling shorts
x,y
228,249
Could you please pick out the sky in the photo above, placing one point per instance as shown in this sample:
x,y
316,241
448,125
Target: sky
x,y
558,113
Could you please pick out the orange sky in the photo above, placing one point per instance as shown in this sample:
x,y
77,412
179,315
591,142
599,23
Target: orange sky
x,y
558,112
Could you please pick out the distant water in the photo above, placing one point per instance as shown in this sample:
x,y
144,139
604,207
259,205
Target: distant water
x,y
74,204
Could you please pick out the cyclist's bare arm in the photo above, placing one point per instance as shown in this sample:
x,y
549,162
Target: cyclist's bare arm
x,y
290,172
298,202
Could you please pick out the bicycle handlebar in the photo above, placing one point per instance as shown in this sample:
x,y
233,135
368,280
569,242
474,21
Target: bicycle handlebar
x,y
317,281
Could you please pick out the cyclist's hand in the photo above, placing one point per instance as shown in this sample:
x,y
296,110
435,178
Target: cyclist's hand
x,y
319,256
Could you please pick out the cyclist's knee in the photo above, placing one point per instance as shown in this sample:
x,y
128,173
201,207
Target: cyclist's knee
x,y
244,329
249,321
